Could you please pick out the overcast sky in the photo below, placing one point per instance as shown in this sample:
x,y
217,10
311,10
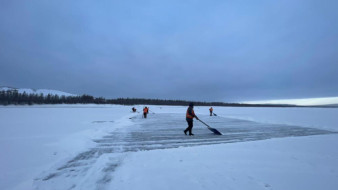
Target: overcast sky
x,y
210,50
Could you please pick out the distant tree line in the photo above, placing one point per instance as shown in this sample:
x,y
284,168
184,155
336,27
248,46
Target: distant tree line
x,y
13,97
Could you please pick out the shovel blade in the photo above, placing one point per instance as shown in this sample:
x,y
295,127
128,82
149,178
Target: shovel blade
x,y
215,131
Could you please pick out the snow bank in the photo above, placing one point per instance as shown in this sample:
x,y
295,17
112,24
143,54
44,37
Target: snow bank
x,y
290,163
34,138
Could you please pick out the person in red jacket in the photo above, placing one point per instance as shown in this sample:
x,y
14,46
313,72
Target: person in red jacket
x,y
211,110
145,112
189,117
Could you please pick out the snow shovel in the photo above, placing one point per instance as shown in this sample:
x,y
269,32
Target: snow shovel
x,y
211,129
214,114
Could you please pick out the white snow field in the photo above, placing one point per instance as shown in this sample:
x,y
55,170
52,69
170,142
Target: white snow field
x,y
107,147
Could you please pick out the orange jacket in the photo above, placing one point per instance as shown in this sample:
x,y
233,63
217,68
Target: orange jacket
x,y
145,110
211,109
190,113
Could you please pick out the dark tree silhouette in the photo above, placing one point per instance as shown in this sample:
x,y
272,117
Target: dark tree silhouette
x,y
14,97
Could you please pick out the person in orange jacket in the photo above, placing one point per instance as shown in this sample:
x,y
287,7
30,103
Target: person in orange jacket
x,y
145,112
211,110
189,117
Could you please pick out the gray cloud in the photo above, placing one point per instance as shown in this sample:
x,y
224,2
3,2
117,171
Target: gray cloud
x,y
199,50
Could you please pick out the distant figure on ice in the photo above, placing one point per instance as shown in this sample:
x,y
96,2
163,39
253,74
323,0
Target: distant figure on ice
x,y
145,112
189,117
211,110
134,109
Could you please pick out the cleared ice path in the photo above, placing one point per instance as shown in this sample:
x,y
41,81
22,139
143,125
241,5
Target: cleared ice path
x,y
92,169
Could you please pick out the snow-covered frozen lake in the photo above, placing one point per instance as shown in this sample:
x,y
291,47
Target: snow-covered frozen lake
x,y
108,147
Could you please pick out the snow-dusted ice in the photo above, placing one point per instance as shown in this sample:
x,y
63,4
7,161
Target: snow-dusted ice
x,y
110,148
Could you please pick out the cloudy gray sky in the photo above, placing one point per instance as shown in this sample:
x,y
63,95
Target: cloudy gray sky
x,y
211,50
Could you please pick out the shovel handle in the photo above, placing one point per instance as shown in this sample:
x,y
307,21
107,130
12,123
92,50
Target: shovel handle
x,y
204,123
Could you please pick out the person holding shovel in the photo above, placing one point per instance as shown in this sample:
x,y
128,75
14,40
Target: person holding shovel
x,y
211,110
189,118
